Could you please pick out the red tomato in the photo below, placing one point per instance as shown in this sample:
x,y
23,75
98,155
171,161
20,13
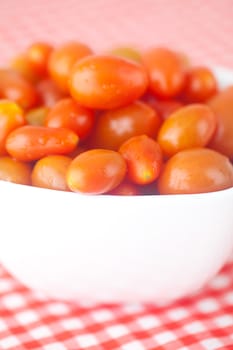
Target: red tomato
x,y
69,114
30,143
22,65
116,126
38,55
125,189
189,127
222,106
50,172
96,171
62,60
163,108
196,171
49,93
106,82
11,117
166,72
144,159
14,171
15,87
200,85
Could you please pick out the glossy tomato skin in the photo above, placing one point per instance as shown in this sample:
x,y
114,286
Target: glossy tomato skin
x,y
144,159
15,87
200,85
96,171
116,126
15,171
107,82
50,172
67,113
11,117
196,171
49,93
189,127
222,106
30,143
62,60
38,55
166,72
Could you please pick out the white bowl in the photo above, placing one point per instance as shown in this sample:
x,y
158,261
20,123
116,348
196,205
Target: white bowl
x,y
113,248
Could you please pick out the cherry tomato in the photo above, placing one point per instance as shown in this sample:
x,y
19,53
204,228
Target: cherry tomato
x,y
36,116
15,87
22,65
50,172
49,93
125,189
196,171
38,55
200,85
96,171
62,60
163,107
106,82
116,126
14,171
30,142
144,159
67,113
222,106
129,53
189,127
11,117
166,72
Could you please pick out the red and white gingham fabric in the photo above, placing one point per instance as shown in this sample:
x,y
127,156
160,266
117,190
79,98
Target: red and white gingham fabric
x,y
28,320
31,321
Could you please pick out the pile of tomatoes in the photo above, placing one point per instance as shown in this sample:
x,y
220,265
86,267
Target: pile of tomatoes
x,y
119,122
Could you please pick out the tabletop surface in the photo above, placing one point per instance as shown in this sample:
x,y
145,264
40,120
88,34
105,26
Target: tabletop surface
x,y
29,320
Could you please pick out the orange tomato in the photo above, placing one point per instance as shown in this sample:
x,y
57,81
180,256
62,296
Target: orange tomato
x,y
116,126
30,143
125,189
189,127
96,171
50,172
196,171
22,65
11,117
166,72
38,55
200,85
106,82
222,106
62,60
67,113
15,87
144,159
14,171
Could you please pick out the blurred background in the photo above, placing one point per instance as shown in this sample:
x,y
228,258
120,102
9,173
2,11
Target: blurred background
x,y
202,29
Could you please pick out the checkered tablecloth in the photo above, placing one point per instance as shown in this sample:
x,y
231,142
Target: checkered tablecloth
x,y
29,320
